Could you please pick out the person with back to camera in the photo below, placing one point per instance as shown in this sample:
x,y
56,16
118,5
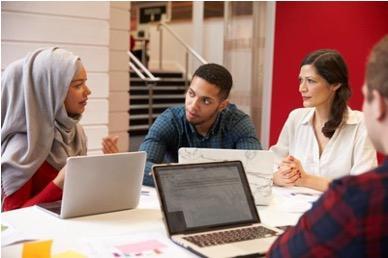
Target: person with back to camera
x,y
207,120
351,217
43,98
326,139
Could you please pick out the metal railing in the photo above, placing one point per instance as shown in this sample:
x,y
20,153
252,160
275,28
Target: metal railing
x,y
149,79
189,50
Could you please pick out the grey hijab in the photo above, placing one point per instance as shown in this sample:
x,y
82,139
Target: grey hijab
x,y
34,123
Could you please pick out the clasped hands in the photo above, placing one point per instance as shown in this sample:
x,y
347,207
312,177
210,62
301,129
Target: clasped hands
x,y
290,172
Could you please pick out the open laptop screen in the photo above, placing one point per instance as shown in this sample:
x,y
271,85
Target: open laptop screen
x,y
202,196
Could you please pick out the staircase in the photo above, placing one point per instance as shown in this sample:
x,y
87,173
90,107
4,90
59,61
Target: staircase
x,y
168,92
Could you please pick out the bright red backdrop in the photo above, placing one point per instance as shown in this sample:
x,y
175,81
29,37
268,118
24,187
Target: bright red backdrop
x,y
352,28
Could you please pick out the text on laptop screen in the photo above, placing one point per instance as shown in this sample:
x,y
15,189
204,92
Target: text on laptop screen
x,y
205,196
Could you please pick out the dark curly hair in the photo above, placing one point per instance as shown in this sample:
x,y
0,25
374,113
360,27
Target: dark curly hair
x,y
218,75
330,65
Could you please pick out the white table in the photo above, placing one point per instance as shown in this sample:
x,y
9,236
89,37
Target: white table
x,y
66,234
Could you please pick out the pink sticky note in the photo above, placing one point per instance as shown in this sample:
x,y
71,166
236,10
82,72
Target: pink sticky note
x,y
140,247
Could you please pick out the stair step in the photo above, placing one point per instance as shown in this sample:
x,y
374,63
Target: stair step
x,y
169,91
145,116
161,74
169,96
158,83
141,133
145,106
138,127
161,88
158,93
137,79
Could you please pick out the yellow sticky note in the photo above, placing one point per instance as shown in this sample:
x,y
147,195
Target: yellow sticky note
x,y
69,254
37,249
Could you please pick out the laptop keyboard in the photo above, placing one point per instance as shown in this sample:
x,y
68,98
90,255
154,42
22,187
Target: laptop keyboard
x,y
54,207
230,236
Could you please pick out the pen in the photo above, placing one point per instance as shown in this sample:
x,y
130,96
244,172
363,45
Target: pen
x,y
307,194
145,192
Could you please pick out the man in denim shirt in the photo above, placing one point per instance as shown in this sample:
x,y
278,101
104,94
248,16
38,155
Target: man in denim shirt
x,y
207,120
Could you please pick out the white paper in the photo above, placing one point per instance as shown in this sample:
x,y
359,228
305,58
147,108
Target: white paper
x,y
295,199
148,198
138,244
9,235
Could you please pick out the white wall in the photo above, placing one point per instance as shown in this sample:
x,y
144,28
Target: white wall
x,y
119,73
213,46
83,28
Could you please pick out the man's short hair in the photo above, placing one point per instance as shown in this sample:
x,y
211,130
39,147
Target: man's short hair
x,y
377,68
218,75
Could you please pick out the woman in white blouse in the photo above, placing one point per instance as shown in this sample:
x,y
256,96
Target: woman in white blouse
x,y
326,139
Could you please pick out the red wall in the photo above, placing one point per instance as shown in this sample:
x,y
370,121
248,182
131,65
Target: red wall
x,y
352,28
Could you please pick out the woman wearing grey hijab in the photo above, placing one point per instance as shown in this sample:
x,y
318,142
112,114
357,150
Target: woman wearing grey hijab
x,y
43,97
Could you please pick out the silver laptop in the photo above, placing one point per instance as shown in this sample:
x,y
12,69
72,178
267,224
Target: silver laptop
x,y
100,184
208,209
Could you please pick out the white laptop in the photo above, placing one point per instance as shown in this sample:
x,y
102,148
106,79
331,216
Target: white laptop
x,y
258,165
100,184
208,208
253,160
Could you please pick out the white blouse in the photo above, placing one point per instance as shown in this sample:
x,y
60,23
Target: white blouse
x,y
348,152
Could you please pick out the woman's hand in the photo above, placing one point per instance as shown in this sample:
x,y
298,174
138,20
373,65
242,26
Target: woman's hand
x,y
287,174
60,178
109,144
296,165
305,179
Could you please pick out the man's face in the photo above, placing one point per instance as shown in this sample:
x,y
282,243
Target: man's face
x,y
203,102
369,109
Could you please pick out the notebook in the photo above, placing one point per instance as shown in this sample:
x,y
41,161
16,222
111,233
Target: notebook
x,y
100,184
208,208
258,165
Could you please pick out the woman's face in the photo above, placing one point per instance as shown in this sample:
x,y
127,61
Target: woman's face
x,y
77,95
315,90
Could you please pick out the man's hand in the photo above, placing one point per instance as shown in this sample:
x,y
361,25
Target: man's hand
x,y
109,144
